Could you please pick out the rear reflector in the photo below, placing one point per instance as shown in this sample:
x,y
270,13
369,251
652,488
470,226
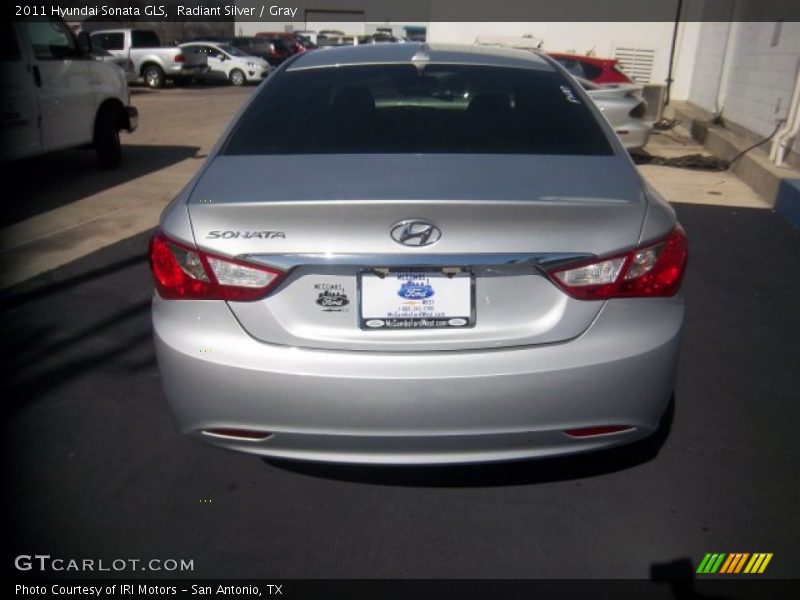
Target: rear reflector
x,y
602,430
179,58
653,269
239,434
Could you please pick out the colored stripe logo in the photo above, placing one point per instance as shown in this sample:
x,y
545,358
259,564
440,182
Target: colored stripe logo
x,y
734,563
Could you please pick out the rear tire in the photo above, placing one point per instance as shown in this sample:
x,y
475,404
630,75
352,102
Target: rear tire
x,y
153,77
106,138
237,78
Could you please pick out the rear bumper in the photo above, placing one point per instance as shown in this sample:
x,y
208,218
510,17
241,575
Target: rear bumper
x,y
419,408
635,135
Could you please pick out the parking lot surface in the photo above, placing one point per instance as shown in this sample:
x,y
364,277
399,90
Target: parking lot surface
x,y
95,467
71,208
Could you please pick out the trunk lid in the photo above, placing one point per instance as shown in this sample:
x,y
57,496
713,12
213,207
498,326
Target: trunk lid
x,y
327,218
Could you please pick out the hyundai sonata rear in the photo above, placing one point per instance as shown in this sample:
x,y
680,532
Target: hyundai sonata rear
x,y
448,257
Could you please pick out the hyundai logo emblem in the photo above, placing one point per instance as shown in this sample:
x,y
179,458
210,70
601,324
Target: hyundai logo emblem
x,y
415,232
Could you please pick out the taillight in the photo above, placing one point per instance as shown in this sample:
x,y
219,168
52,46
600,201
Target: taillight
x,y
179,58
639,110
652,270
183,272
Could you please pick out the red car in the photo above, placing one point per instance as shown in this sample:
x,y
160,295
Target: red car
x,y
285,45
598,70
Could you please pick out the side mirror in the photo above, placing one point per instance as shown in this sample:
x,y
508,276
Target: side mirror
x,y
84,43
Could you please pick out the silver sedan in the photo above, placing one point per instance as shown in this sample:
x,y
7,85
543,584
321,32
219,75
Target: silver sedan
x,y
625,109
449,257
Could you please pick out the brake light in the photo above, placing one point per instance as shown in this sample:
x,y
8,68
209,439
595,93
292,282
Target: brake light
x,y
179,58
655,269
183,272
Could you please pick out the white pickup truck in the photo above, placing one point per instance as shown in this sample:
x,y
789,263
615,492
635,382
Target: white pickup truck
x,y
54,95
150,61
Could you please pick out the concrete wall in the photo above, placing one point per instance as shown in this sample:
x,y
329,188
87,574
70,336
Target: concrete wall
x,y
704,74
747,70
601,38
762,75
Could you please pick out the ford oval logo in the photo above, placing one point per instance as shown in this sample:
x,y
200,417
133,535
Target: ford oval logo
x,y
415,232
415,290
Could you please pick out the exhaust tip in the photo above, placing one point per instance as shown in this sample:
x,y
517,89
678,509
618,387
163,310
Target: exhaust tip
x,y
248,435
583,432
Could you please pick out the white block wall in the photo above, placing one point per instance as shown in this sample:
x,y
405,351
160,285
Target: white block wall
x,y
762,76
709,54
755,87
578,37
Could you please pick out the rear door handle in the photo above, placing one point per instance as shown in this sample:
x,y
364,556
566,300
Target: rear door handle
x,y
37,77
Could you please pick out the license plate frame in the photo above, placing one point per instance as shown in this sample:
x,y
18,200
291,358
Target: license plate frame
x,y
416,322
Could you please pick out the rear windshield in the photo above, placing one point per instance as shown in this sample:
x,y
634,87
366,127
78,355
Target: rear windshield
x,y
405,109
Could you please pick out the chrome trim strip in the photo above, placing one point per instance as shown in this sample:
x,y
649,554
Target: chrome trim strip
x,y
286,262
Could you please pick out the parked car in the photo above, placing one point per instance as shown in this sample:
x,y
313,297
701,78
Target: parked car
x,y
429,277
623,106
285,44
306,34
55,96
254,46
596,70
123,63
229,63
150,61
305,40
327,40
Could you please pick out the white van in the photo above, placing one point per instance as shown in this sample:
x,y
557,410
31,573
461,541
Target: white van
x,y
54,95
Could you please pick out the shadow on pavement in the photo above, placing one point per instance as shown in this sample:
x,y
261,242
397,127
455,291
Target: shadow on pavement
x,y
53,180
679,575
524,472
79,320
19,295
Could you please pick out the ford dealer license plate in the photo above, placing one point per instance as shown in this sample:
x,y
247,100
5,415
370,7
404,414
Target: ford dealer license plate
x,y
406,299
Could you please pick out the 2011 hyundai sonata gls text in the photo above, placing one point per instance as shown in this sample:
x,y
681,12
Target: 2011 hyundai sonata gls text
x,y
445,257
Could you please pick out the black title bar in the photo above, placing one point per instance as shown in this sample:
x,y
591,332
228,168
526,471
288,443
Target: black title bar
x,y
419,11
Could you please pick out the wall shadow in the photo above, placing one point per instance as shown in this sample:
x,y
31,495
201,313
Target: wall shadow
x,y
47,182
92,316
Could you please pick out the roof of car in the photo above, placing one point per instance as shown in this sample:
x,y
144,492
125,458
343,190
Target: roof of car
x,y
414,52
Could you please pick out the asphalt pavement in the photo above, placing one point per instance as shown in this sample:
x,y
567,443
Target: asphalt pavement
x,y
95,467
